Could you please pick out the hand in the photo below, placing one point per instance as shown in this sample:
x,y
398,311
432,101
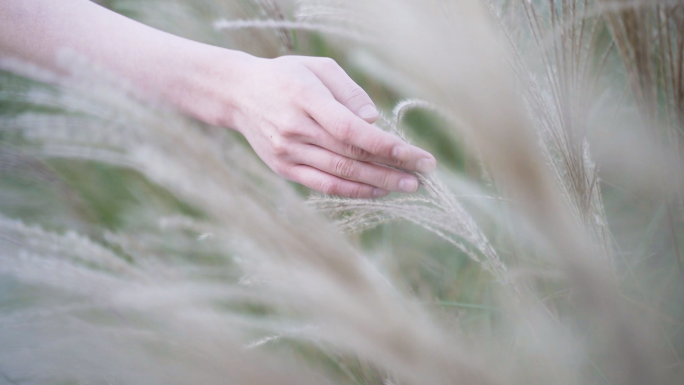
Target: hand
x,y
308,120
303,117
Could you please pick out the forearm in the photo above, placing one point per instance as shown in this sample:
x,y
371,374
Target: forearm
x,y
160,64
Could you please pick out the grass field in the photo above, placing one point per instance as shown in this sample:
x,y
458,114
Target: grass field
x,y
139,246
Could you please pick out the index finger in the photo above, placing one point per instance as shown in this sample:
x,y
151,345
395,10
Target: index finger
x,y
349,128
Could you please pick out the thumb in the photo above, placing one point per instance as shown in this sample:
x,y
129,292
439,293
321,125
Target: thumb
x,y
343,88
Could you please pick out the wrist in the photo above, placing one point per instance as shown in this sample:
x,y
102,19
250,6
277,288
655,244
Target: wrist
x,y
203,81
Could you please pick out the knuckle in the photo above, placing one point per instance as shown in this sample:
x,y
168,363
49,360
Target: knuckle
x,y
351,91
287,131
289,119
303,93
359,191
298,88
346,168
377,146
328,63
386,179
403,164
290,127
279,146
285,58
329,187
342,129
357,153
315,135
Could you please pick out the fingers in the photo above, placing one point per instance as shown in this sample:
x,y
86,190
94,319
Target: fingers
x,y
346,134
356,171
324,139
343,88
332,185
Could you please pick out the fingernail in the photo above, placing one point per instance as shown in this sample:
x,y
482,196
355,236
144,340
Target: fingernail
x,y
368,112
380,193
408,185
401,153
425,165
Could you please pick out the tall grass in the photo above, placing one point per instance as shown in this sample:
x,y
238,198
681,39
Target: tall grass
x,y
138,246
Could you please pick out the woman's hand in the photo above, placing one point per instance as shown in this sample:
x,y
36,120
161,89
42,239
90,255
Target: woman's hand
x,y
304,116
309,122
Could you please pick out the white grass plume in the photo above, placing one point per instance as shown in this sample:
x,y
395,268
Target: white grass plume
x,y
223,24
439,212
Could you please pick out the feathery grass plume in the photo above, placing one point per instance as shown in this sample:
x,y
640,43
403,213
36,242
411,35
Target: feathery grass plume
x,y
439,211
272,10
404,106
649,37
560,86
223,24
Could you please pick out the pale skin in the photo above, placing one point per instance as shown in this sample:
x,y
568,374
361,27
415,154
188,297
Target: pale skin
x,y
304,116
